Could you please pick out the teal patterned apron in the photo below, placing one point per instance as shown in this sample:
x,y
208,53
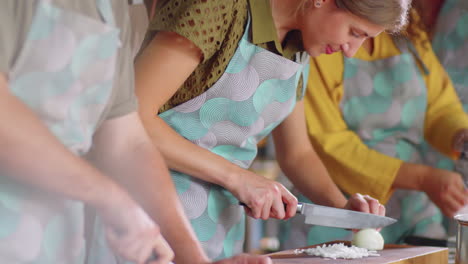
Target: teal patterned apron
x,y
256,92
384,103
64,72
450,43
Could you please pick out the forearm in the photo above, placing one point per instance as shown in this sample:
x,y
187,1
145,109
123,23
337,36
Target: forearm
x,y
138,166
410,176
310,177
30,154
300,162
186,157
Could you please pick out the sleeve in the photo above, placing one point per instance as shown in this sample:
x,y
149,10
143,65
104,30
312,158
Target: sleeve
x,y
445,115
204,23
15,21
353,166
124,99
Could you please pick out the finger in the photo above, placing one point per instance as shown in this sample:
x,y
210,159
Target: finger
x,y
118,245
373,204
248,212
256,209
290,201
450,206
138,248
458,192
266,207
358,203
382,210
147,254
163,251
278,210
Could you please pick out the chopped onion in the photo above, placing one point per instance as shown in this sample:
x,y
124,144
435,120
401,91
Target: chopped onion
x,y
369,238
336,251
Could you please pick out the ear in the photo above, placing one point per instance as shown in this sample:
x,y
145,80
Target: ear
x,y
318,3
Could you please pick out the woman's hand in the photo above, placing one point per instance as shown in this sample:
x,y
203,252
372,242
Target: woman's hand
x,y
133,235
366,204
446,189
264,198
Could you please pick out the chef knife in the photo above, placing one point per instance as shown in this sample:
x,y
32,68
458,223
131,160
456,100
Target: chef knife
x,y
342,218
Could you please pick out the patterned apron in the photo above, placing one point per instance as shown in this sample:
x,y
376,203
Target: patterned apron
x,y
384,102
450,43
256,92
64,73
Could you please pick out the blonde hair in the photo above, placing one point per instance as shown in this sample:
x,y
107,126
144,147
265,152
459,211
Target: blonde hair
x,y
391,14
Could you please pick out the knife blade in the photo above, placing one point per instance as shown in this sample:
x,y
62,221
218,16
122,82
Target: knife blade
x,y
341,218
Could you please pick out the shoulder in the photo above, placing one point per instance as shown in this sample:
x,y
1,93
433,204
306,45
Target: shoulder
x,y
207,24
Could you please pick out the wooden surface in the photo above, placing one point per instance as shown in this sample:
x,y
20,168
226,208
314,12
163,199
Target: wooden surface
x,y
391,254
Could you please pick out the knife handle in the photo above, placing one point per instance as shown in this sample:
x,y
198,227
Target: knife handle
x,y
298,209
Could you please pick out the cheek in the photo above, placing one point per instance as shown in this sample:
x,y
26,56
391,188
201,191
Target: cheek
x,y
325,33
313,37
334,34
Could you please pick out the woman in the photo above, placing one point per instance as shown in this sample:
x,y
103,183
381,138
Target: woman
x,y
369,117
224,74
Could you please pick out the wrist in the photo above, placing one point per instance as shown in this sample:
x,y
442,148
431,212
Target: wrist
x,y
109,195
412,176
232,177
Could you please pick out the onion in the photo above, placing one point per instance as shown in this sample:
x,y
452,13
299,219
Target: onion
x,y
369,238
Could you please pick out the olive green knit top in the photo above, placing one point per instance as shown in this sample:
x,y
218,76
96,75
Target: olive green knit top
x,y
216,27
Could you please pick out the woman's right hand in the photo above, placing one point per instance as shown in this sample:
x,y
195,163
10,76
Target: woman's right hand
x,y
132,234
446,189
264,198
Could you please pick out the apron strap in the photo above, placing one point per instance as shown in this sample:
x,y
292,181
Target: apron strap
x,y
405,45
106,11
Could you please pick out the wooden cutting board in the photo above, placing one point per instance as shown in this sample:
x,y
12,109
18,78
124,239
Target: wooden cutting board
x,y
391,254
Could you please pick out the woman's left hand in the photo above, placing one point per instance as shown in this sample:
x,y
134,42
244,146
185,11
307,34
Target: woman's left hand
x,y
365,204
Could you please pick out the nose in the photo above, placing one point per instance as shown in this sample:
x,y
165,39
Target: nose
x,y
350,48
